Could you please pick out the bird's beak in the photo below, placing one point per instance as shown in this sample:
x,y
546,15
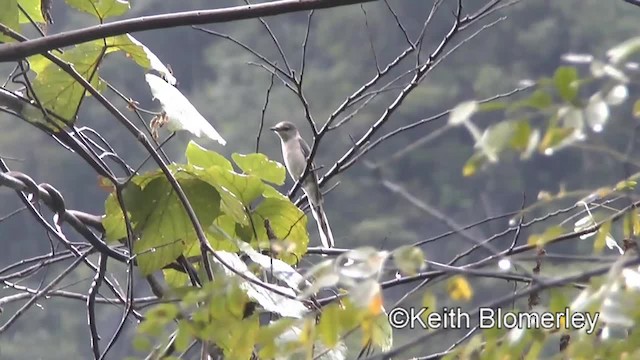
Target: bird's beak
x,y
273,128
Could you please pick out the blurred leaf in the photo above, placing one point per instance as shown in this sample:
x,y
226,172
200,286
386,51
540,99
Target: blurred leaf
x,y
377,330
183,337
462,112
539,100
626,185
32,8
548,235
101,9
429,302
459,288
521,134
328,327
259,165
474,163
554,137
565,80
601,237
636,109
57,90
492,106
409,259
242,339
175,279
164,227
597,112
617,95
623,50
204,158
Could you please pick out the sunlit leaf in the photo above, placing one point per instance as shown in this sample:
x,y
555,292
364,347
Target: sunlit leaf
x,y
236,190
288,223
521,135
101,9
139,53
565,80
617,95
459,288
59,91
181,113
462,112
379,331
532,144
259,165
204,158
539,100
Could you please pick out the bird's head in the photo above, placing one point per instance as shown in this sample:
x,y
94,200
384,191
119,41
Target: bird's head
x,y
285,130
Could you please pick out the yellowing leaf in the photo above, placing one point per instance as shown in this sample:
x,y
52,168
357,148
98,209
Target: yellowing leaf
x,y
473,164
328,328
259,165
31,8
459,288
565,81
554,137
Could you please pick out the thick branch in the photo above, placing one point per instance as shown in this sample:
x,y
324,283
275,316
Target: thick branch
x,y
15,51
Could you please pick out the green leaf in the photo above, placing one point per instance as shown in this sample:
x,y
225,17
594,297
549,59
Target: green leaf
x,y
601,237
204,158
636,109
565,81
237,190
259,165
57,90
113,221
33,9
271,192
130,46
242,339
9,17
101,9
287,221
328,329
164,227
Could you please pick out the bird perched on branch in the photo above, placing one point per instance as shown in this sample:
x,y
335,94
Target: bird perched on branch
x,y
295,152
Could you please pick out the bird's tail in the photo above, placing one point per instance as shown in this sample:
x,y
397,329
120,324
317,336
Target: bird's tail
x,y
323,225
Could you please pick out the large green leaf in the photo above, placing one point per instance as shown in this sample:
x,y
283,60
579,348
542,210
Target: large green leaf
x,y
32,8
287,221
57,90
260,166
101,9
9,17
204,158
236,190
131,47
164,227
113,221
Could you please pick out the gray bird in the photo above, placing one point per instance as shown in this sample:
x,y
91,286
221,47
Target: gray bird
x,y
295,152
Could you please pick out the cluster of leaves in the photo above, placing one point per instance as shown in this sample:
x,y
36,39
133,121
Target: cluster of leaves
x,y
229,205
567,101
